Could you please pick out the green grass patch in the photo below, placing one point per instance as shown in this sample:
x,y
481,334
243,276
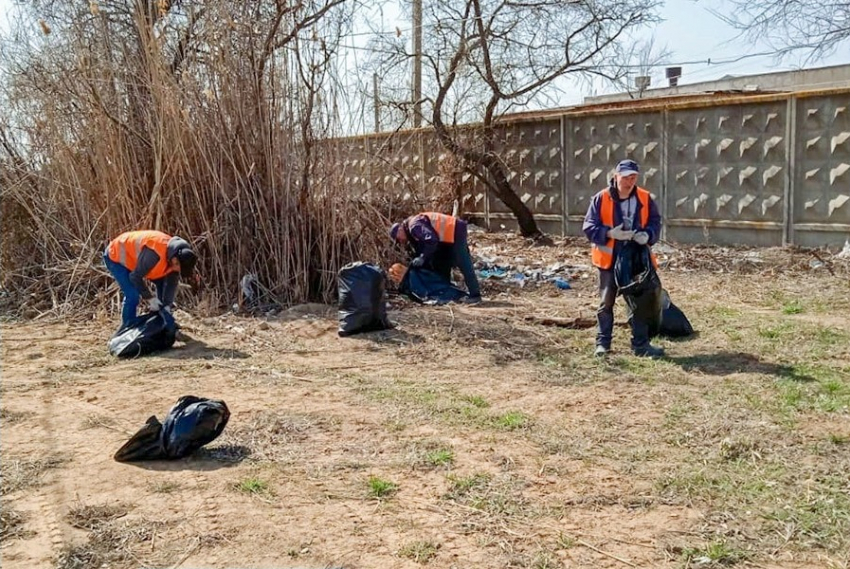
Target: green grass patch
x,y
476,401
793,307
440,457
823,389
253,486
419,551
460,486
512,420
380,488
716,553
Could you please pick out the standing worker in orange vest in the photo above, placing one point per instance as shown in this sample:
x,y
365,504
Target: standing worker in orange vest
x,y
439,242
135,256
619,213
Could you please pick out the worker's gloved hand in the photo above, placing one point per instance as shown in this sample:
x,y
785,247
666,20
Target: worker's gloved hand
x,y
168,308
620,234
641,238
154,304
418,262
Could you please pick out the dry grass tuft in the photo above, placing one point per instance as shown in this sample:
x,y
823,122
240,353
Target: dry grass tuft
x,y
11,523
268,436
21,474
90,517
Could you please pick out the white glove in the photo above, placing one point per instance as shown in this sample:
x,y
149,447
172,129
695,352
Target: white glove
x,y
154,304
641,237
620,234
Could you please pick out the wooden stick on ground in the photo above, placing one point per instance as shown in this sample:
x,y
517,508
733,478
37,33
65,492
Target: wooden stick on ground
x,y
605,553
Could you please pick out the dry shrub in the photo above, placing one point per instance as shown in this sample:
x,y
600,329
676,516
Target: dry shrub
x,y
184,121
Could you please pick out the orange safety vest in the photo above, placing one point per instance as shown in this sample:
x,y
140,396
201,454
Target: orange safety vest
x,y
125,250
443,224
603,255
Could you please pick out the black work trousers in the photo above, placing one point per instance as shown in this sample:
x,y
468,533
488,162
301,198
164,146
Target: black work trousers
x,y
605,315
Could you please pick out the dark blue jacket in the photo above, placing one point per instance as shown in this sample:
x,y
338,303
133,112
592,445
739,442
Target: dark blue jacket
x,y
596,232
423,240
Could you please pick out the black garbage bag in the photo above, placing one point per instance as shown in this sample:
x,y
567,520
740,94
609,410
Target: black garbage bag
x,y
189,425
639,283
153,332
362,302
674,323
429,287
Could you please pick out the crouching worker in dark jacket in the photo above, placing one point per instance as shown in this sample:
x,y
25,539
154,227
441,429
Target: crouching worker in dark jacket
x,y
135,256
439,242
621,212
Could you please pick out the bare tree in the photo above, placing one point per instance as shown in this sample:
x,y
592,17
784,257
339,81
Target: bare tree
x,y
802,26
486,57
643,61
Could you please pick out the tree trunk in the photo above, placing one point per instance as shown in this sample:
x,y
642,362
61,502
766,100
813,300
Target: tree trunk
x,y
503,190
498,179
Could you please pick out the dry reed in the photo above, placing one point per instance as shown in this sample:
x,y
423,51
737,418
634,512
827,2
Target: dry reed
x,y
206,124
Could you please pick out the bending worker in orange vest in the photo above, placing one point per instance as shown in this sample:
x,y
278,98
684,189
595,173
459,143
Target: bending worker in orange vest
x,y
621,212
439,242
135,256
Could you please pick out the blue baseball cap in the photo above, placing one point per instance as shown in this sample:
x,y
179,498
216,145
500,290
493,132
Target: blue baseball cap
x,y
394,230
627,168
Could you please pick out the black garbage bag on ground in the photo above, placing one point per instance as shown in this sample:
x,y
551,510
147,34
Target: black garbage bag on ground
x,y
153,332
674,323
429,287
189,425
362,303
638,282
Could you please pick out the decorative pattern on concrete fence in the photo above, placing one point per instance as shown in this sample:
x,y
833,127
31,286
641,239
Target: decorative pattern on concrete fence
x,y
758,169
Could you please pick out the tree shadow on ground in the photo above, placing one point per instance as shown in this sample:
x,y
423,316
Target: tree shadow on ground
x,y
196,349
727,363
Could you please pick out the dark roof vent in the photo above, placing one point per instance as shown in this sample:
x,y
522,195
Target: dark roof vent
x,y
673,74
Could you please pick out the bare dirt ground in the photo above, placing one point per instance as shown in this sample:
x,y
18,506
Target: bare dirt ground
x,y
466,437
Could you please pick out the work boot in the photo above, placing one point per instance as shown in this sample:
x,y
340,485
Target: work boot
x,y
649,351
601,351
471,299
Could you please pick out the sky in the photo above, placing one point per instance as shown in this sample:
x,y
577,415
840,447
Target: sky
x,y
689,30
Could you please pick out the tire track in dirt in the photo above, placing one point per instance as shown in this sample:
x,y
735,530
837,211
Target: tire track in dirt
x,y
49,498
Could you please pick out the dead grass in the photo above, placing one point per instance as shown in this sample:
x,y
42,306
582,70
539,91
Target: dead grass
x,y
120,544
89,517
268,436
20,474
11,524
10,416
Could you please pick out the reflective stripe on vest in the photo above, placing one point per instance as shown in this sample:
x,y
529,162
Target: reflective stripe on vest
x,y
126,248
603,255
443,224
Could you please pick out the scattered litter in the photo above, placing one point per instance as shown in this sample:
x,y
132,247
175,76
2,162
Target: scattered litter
x,y
845,252
562,283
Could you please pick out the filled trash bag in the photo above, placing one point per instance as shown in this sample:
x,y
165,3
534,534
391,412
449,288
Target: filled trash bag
x,y
638,282
362,303
633,270
429,287
153,332
674,323
189,425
